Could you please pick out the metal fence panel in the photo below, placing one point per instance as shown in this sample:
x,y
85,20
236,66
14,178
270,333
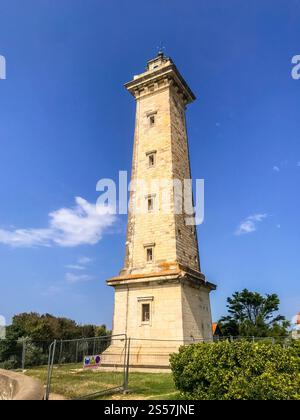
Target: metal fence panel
x,y
62,369
23,353
79,361
28,353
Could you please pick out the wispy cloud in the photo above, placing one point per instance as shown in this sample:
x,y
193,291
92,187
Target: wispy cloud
x,y
81,264
75,267
284,165
84,260
249,224
72,278
82,224
257,217
52,291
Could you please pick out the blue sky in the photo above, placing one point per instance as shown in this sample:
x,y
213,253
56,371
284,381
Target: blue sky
x,y
66,121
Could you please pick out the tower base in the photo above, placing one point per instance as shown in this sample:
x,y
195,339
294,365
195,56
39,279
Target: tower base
x,y
177,313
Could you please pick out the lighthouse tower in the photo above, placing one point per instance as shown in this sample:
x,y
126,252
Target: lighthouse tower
x,y
161,295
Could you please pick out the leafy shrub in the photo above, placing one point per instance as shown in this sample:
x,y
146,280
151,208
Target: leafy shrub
x,y
237,371
296,347
34,355
10,364
10,354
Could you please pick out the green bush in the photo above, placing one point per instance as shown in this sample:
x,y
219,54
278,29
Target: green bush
x,y
237,371
10,364
34,355
296,347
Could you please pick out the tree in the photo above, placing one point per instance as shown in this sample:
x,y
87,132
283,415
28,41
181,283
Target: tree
x,y
39,331
88,331
48,328
102,331
251,314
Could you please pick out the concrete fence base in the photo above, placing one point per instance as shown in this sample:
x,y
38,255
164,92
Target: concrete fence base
x,y
16,386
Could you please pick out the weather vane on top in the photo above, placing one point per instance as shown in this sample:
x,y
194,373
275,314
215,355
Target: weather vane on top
x,y
161,48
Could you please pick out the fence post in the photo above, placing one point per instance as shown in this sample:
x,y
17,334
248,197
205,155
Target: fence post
x,y
52,349
127,360
23,353
60,352
76,351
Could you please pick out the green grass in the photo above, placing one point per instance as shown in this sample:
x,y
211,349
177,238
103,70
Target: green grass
x,y
72,382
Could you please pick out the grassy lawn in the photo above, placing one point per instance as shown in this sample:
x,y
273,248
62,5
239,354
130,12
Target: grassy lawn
x,y
72,382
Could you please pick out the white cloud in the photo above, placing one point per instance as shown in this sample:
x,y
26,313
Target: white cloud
x,y
82,224
249,224
72,278
75,267
81,264
258,217
276,169
84,260
246,226
25,237
52,291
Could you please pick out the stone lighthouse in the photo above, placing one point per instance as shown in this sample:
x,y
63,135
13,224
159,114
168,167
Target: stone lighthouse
x,y
161,296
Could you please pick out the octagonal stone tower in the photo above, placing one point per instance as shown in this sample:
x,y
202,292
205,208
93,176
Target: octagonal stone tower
x,y
161,295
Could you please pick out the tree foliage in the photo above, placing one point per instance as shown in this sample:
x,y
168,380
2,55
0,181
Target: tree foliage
x,y
48,327
39,331
251,314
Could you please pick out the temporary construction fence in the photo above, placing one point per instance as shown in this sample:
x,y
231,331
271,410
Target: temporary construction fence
x,y
110,358
80,359
26,353
96,366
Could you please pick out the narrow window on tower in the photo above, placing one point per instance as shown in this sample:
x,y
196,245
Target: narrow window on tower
x,y
151,115
150,200
152,120
151,160
145,308
150,203
149,254
145,313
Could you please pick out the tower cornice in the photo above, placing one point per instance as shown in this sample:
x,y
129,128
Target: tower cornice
x,y
149,81
181,272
